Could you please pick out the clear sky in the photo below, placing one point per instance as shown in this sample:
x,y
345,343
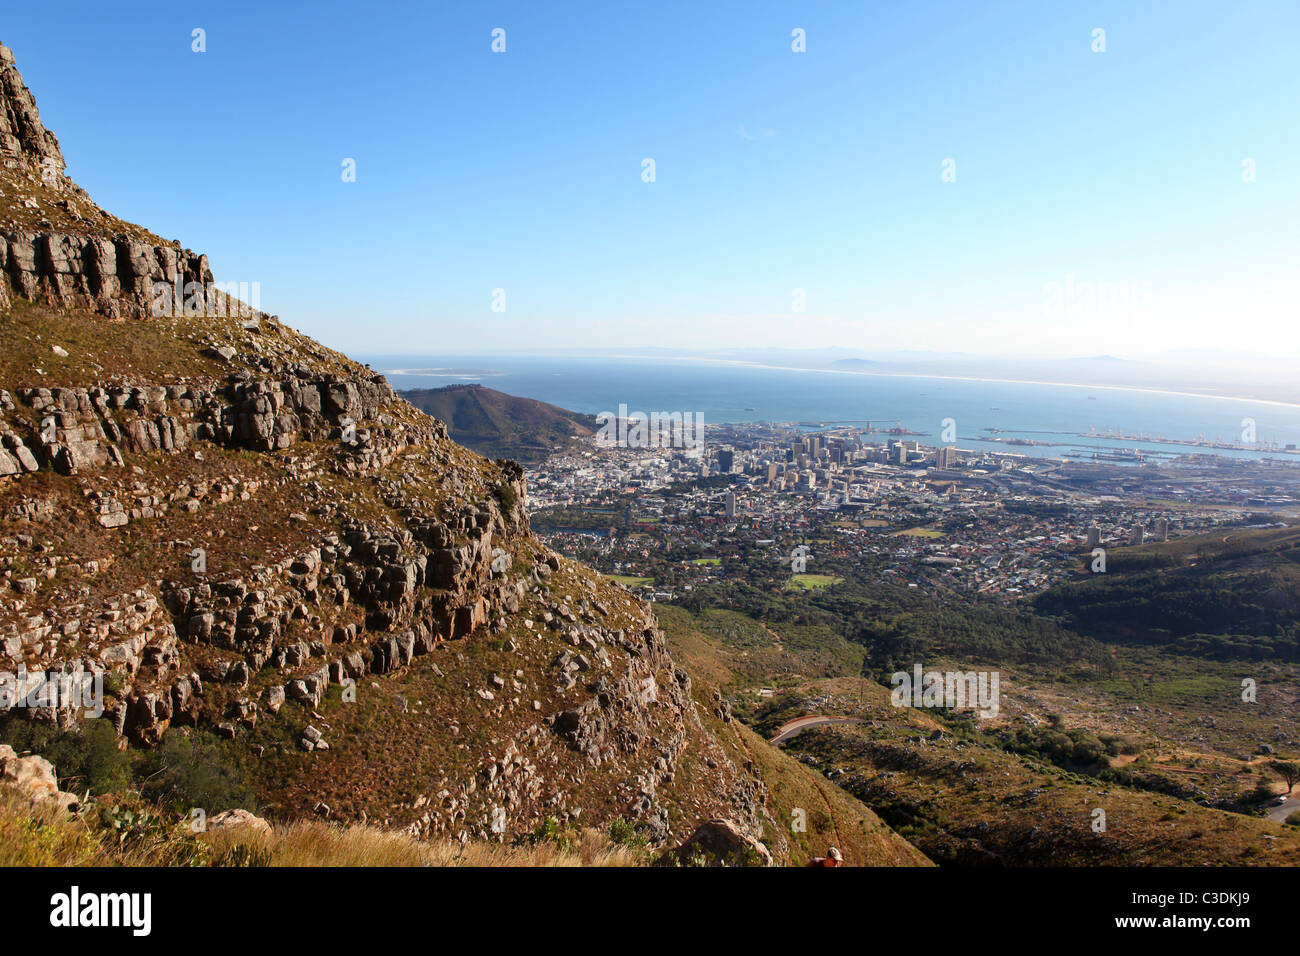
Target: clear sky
x,y
774,170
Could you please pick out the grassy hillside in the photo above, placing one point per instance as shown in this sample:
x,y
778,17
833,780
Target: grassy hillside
x,y
498,425
806,813
964,801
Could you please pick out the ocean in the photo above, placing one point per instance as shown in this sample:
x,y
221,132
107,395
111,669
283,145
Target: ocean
x,y
1069,420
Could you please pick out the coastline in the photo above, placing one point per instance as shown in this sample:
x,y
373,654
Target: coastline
x,y
470,374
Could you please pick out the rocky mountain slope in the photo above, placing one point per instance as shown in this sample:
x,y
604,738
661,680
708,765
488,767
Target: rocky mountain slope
x,y
249,536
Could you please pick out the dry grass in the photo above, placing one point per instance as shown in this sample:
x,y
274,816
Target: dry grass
x,y
31,836
311,843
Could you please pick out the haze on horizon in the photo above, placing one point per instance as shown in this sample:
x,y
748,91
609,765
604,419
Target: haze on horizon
x,y
1139,201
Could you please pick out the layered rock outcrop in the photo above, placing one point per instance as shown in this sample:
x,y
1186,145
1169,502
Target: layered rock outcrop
x,y
89,428
116,276
60,249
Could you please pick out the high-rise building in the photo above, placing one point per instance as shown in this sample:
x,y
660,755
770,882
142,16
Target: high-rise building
x,y
1137,535
1161,530
945,456
1094,536
731,503
726,460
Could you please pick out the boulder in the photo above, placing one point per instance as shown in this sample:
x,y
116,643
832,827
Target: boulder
x,y
238,820
718,843
34,778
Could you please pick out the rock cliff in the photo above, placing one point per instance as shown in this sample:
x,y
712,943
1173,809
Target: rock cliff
x,y
58,246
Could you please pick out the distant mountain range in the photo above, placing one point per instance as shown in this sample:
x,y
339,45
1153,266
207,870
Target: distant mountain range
x,y
498,425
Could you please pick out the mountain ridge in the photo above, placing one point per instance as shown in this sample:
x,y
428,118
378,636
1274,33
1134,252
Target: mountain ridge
x,y
265,554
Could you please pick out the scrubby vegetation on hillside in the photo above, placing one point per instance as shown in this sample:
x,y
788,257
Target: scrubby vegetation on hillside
x,y
1233,599
1158,738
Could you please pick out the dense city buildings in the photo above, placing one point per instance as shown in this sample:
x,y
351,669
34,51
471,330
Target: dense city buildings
x,y
1005,524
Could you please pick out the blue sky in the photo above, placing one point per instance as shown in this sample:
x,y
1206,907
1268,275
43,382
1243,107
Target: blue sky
x,y
1099,204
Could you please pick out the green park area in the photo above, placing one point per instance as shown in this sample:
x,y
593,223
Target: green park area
x,y
811,582
628,581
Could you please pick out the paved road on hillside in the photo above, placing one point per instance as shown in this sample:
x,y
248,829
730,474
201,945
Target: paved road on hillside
x,y
792,727
1281,813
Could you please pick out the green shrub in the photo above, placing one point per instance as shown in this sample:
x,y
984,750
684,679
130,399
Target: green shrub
x,y
87,758
624,833
508,497
564,836
193,770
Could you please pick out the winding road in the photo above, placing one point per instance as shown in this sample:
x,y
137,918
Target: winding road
x,y
792,727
